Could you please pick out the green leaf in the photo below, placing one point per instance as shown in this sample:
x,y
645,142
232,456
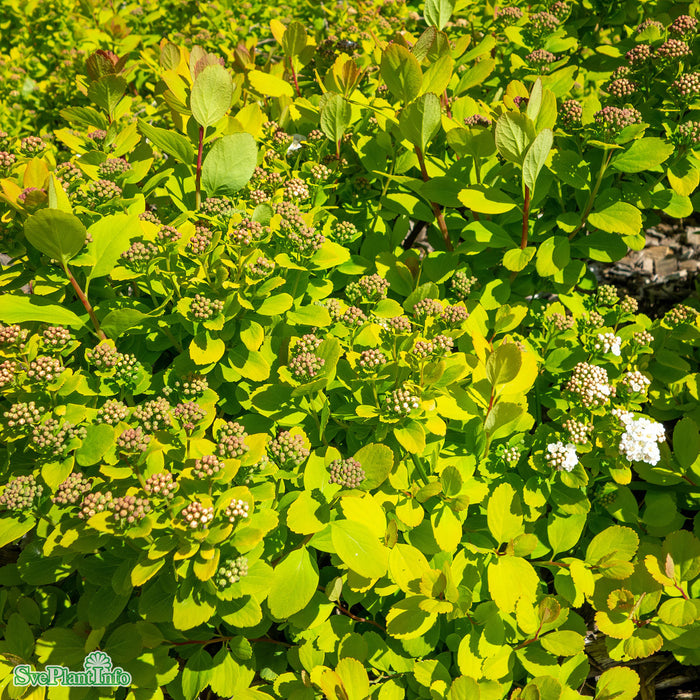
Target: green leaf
x,y
407,620
563,643
503,364
195,674
12,529
377,462
564,532
359,549
230,163
684,548
618,217
486,200
111,236
212,94
553,255
683,177
686,442
205,350
55,233
19,637
411,437
20,309
311,315
475,75
98,440
679,612
536,156
354,677
223,677
421,120
294,39
269,85
172,143
510,579
451,481
401,72
619,683
294,582
189,613
442,190
437,13
501,416
107,92
105,607
60,646
504,514
276,304
335,117
447,528
514,134
645,154
517,259
117,322
611,549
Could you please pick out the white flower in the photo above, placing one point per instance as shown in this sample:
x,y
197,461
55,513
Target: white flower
x,y
562,456
610,343
639,443
296,143
636,382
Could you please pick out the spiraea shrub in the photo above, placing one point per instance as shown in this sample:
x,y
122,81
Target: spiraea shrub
x,y
308,387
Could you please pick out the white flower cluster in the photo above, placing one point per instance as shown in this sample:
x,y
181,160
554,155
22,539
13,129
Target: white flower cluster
x,y
636,382
562,456
609,342
640,441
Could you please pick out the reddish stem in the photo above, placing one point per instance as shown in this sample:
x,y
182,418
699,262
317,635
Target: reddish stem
x,y
357,618
84,301
526,216
436,208
198,186
294,76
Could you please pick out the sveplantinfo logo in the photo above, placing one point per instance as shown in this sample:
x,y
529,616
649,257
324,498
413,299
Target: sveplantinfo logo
x,y
97,671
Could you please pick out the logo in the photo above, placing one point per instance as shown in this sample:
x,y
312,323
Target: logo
x,y
97,671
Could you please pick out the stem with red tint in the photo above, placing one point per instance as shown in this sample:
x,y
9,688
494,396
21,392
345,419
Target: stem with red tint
x,y
526,216
198,184
439,216
84,301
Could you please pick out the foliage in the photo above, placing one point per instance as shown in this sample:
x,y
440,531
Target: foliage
x,y
255,443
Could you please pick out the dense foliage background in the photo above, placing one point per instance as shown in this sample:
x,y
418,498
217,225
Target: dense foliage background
x,y
308,386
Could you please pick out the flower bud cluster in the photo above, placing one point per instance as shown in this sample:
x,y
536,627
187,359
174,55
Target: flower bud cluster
x,y
508,15
400,325
353,316
168,234
570,113
13,335
153,415
372,359
462,284
93,503
373,287
427,307
649,23
561,322
189,413
346,472
640,441
560,10
295,188
27,197
200,241
680,314
590,384
247,231
71,490
687,85
103,190
23,414
8,372
454,315
192,385
477,120
287,450
56,337
306,240
161,484
97,135
639,54
622,87
305,366
540,57
683,26
21,493
203,308
609,342
443,344
343,231
103,357
231,572
262,267
423,348
401,402
231,441
542,23
561,457
579,432
643,338
217,206
207,467
52,438
673,49
511,454
140,253
196,515
67,174
127,368
307,343
259,196
31,145
320,172
133,440
44,369
629,305
636,382
236,510
7,160
128,510
113,168
688,134
150,216
613,119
